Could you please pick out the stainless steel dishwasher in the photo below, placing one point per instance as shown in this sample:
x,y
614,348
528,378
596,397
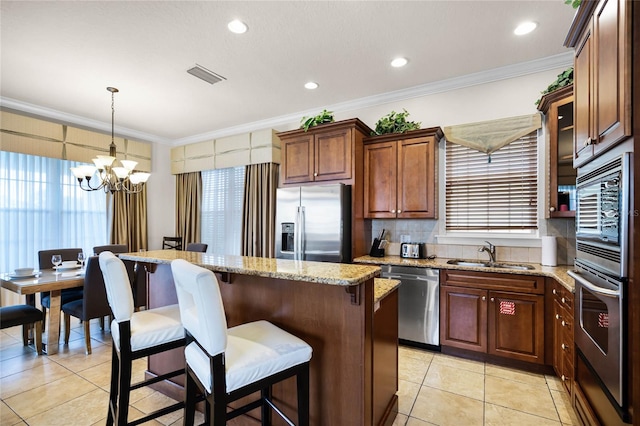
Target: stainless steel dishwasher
x,y
418,304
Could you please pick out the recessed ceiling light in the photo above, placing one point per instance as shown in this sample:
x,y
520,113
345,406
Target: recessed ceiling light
x,y
525,28
237,27
311,85
399,62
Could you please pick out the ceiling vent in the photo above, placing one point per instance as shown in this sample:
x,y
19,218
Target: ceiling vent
x,y
206,75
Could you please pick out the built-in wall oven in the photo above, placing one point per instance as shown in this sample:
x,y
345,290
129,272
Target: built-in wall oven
x,y
602,227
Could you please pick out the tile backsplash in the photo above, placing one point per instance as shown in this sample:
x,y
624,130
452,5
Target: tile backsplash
x,y
426,231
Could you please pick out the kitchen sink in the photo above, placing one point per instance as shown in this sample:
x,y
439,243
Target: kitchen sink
x,y
476,264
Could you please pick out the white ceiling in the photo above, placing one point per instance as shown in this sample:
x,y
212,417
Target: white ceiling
x,y
58,57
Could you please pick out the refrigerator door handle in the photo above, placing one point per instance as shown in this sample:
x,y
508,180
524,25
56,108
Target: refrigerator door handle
x,y
302,230
296,234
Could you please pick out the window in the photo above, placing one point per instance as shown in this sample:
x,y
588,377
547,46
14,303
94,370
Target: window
x,y
222,200
495,196
41,208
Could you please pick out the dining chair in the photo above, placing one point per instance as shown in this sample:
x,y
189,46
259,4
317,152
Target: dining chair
x,y
44,262
93,304
135,335
172,243
24,315
137,274
198,247
227,364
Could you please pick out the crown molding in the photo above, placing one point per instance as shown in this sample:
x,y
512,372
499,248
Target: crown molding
x,y
483,77
24,108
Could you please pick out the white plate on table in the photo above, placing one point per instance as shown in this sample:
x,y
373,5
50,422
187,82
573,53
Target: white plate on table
x,y
15,276
66,268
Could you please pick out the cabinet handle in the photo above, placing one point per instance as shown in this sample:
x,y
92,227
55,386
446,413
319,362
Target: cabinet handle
x,y
552,209
564,347
557,316
493,299
554,291
484,298
563,300
399,211
315,174
589,141
563,378
564,324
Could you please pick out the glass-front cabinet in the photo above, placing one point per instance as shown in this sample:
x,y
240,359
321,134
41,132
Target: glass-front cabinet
x,y
558,110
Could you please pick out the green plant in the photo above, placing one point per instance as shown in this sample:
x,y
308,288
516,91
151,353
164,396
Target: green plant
x,y
395,122
574,3
564,79
324,117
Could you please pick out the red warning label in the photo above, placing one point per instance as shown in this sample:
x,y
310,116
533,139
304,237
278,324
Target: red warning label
x,y
507,308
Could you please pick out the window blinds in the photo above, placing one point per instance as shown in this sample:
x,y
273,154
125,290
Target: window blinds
x,y
500,195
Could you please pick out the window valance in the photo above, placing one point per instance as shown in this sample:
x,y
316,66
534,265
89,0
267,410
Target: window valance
x,y
490,136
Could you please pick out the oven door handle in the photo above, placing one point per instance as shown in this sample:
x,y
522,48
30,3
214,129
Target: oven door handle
x,y
595,288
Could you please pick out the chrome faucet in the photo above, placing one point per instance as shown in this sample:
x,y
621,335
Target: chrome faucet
x,y
491,249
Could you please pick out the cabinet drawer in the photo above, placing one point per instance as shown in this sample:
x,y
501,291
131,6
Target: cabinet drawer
x,y
493,281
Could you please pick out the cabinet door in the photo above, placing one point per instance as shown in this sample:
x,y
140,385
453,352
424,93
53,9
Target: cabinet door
x,y
380,180
416,178
612,73
582,89
557,337
297,159
463,320
516,326
333,153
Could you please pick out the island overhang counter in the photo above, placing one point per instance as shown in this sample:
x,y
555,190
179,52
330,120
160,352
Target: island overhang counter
x,y
332,306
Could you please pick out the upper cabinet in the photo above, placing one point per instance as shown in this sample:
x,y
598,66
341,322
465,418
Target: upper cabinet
x,y
558,110
601,36
323,153
400,174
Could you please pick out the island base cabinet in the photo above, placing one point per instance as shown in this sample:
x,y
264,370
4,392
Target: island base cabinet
x,y
338,323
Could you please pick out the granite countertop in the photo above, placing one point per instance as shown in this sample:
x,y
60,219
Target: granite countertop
x,y
340,274
382,287
559,273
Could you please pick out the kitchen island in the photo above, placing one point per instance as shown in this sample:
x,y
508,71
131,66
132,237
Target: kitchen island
x,y
350,322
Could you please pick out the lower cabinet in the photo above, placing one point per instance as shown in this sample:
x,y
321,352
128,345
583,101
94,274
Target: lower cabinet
x,y
563,342
493,313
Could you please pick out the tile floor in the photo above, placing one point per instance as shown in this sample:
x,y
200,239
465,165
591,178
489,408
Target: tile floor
x,y
434,389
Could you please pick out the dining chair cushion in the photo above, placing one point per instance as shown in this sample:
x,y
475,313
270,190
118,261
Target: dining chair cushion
x,y
66,296
254,351
10,316
118,286
152,327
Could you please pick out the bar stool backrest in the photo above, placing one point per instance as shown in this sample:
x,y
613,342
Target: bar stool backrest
x,y
117,284
201,308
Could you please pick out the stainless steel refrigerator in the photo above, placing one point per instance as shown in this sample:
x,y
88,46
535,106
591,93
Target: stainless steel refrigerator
x,y
314,223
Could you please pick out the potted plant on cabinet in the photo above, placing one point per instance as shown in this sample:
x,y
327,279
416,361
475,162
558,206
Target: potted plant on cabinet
x,y
324,117
395,122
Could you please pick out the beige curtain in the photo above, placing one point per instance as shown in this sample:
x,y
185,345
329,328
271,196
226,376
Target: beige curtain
x,y
188,205
259,212
490,136
128,219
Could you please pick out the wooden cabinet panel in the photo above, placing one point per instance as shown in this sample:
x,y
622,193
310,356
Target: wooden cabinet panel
x,y
380,172
463,319
298,153
400,175
417,178
333,152
516,326
563,341
481,312
602,80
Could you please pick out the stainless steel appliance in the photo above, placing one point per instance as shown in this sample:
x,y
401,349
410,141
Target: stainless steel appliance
x,y
601,272
413,250
418,304
602,214
314,223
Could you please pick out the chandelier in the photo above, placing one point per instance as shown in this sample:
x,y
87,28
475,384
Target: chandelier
x,y
111,179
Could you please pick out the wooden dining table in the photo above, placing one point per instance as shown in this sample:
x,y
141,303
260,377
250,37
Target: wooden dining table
x,y
47,280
